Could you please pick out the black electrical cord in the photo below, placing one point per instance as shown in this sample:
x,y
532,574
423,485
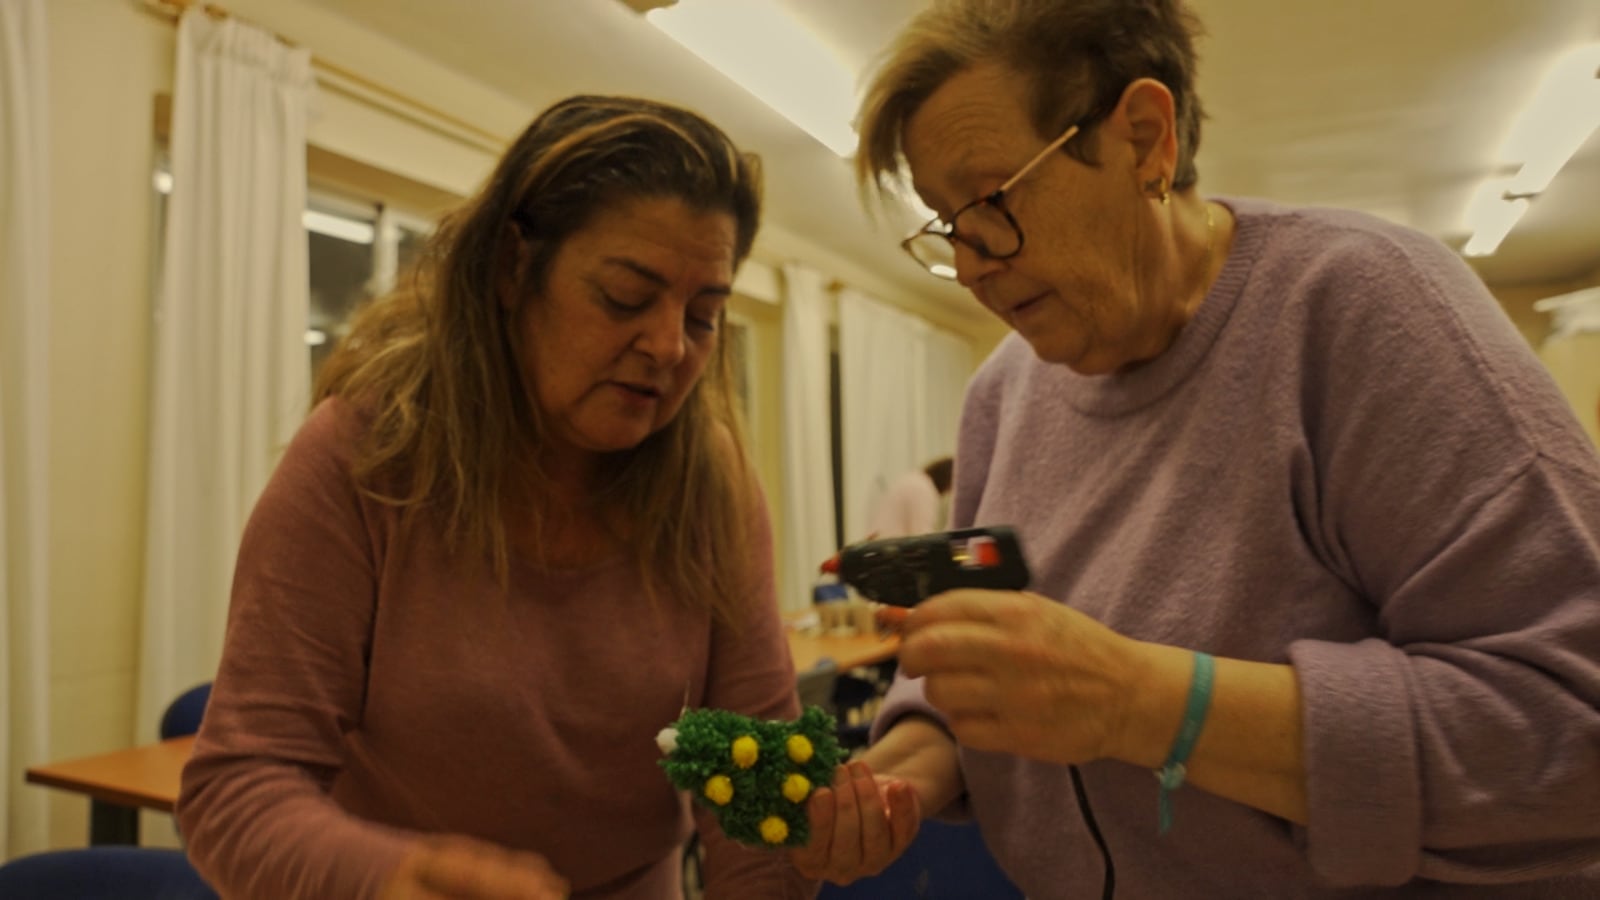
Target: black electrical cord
x,y
1109,887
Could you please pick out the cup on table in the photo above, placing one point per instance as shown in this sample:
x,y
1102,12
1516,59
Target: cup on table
x,y
832,604
861,616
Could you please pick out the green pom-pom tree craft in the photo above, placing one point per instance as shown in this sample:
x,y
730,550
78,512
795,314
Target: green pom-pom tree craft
x,y
755,775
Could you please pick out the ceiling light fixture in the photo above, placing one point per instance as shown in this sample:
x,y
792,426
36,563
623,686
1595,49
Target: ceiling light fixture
x,y
1564,111
1574,313
1491,214
769,54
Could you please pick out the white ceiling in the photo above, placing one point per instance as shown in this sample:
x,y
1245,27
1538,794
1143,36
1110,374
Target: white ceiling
x,y
1396,107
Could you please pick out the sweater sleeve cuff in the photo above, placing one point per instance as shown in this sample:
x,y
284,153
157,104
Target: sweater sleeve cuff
x,y
1362,785
904,698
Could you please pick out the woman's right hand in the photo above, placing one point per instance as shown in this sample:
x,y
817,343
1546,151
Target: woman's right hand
x,y
455,867
859,825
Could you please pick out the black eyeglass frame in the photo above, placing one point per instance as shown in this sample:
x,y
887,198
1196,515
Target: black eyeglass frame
x,y
935,227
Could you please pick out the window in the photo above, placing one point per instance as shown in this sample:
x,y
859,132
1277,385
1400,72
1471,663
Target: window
x,y
355,251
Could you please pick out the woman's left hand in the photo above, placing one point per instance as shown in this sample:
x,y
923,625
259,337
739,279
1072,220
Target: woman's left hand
x,y
1015,672
859,825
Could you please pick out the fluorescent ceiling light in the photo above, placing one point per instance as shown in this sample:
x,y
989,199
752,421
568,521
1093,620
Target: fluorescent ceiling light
x,y
1491,216
1574,313
1563,113
338,227
1487,238
769,54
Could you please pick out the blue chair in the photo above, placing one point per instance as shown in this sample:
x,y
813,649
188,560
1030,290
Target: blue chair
x,y
815,685
111,823
944,862
183,715
103,873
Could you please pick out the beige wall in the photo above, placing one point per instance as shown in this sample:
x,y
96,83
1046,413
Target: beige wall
x,y
984,343
1574,362
1518,300
107,60
1518,303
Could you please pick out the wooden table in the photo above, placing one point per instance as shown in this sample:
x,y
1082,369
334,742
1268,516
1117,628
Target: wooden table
x,y
847,652
119,784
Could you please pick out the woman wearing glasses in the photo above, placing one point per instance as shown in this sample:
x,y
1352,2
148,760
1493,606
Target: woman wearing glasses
x,y
1315,541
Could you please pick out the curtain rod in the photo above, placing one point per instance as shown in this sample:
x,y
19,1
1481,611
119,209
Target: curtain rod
x,y
173,10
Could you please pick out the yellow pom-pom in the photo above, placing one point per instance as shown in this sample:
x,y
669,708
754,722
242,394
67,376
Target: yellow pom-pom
x,y
774,830
745,751
799,748
796,787
719,790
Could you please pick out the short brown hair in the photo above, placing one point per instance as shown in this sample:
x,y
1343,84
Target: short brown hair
x,y
1077,57
434,366
939,472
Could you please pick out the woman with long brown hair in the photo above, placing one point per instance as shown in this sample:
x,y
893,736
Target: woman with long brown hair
x,y
516,535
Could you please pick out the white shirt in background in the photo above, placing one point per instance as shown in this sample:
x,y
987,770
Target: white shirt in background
x,y
910,505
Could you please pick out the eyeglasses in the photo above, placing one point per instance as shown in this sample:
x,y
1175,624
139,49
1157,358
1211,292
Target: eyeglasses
x,y
985,225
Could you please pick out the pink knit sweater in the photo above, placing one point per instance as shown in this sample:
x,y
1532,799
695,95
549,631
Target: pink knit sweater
x,y
368,695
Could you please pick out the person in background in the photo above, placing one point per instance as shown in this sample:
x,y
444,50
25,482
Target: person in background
x,y
515,537
912,503
1315,540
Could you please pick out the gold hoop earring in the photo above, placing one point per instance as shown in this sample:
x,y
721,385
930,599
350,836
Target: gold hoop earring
x,y
1157,187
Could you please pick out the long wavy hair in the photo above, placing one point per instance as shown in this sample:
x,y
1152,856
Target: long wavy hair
x,y
452,431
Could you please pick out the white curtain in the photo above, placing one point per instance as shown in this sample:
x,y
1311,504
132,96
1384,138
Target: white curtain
x,y
948,365
902,382
807,532
882,379
231,366
24,423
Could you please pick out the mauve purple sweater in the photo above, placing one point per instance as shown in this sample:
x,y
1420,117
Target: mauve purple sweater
x,y
1351,463
368,695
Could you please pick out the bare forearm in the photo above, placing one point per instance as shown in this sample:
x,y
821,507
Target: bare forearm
x,y
1251,749
919,751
